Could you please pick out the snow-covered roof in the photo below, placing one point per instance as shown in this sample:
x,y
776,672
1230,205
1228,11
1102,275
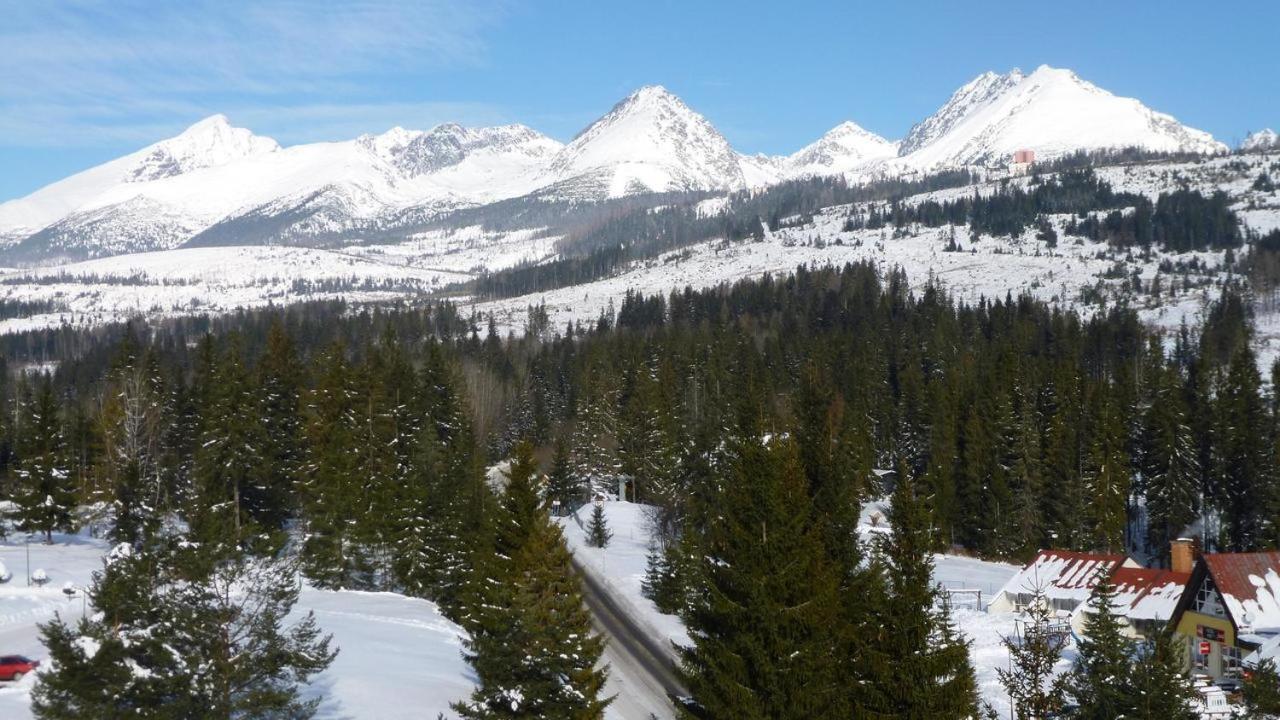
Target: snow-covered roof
x,y
1250,588
1063,574
1147,593
1268,650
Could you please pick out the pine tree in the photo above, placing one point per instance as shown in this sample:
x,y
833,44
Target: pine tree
x,y
922,667
1243,469
279,388
329,556
1160,688
765,602
228,460
1097,682
184,630
1107,478
1262,692
1029,681
530,643
1171,466
44,494
598,532
563,485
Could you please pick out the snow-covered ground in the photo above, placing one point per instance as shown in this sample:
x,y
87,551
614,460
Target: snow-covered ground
x,y
398,657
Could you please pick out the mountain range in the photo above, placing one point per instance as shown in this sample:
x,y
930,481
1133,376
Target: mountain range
x,y
216,184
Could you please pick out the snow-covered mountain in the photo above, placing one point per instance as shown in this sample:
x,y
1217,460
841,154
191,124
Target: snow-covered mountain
x,y
846,148
1264,139
217,184
649,142
1051,111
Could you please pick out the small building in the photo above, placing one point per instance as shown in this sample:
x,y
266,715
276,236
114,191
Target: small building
x,y
1024,156
1229,610
1065,577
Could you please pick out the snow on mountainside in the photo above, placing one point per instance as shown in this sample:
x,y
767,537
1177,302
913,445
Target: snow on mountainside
x,y
845,148
649,142
1051,111
208,143
1265,139
215,184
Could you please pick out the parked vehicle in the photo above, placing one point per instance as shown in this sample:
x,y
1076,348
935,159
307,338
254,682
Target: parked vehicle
x,y
14,667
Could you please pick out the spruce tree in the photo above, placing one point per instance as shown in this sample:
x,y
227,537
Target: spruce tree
x,y
1029,681
43,485
183,629
1107,478
598,532
531,642
1160,688
1171,465
1262,691
765,598
563,485
921,665
1097,684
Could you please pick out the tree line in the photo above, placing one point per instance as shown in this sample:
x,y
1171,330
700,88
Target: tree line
x,y
755,418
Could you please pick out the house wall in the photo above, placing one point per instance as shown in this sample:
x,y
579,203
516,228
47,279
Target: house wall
x,y
1188,628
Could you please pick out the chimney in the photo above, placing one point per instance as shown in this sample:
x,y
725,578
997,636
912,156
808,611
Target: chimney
x,y
1183,554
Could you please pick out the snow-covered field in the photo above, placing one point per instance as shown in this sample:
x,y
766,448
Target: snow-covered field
x,y
398,657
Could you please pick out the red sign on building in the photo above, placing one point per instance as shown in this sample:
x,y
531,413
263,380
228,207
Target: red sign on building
x,y
1204,647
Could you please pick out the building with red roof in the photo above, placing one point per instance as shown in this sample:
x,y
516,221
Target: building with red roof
x,y
1230,609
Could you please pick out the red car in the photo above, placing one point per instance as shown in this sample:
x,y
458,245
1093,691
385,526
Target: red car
x,y
13,667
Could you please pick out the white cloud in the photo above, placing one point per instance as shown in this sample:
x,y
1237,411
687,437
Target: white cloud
x,y
85,72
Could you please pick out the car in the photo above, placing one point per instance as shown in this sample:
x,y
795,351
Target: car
x,y
14,667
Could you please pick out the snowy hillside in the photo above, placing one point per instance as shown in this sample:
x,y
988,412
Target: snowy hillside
x,y
1051,111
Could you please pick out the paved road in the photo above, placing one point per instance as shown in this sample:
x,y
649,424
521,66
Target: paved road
x,y
642,672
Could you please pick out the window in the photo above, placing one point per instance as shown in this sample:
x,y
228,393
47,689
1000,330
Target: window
x,y
1231,661
1207,601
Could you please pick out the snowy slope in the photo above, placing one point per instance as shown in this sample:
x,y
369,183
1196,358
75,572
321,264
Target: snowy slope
x,y
1051,111
651,141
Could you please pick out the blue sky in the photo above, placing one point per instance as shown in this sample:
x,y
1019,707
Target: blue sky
x,y
84,81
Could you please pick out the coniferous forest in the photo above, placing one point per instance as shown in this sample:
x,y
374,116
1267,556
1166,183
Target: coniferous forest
x,y
350,444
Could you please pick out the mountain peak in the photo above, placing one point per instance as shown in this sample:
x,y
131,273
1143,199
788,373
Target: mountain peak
x,y
1052,111
1264,139
651,141
210,142
842,149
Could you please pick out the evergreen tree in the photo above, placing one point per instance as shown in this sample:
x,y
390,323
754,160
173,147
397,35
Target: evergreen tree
x,y
1262,692
44,494
530,641
766,596
1097,684
184,630
1171,465
226,470
279,389
1107,478
598,533
1160,688
563,485
1029,681
921,665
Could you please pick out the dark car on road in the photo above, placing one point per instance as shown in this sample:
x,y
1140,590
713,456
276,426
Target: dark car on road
x,y
14,667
